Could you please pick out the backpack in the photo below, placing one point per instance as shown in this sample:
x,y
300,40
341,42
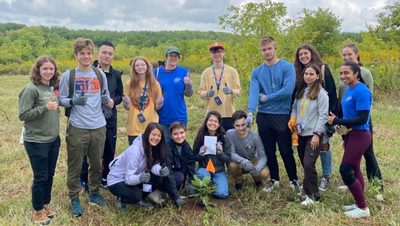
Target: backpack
x,y
72,87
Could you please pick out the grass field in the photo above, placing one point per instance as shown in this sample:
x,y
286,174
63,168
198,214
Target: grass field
x,y
250,207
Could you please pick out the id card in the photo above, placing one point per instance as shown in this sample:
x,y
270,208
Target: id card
x,y
141,118
147,188
218,100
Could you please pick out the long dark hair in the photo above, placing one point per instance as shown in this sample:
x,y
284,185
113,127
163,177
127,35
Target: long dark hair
x,y
203,131
355,68
154,154
300,67
315,88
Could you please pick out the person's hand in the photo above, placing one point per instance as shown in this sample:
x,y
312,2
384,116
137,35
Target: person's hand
x,y
187,80
219,148
159,101
255,173
262,98
292,123
81,100
248,166
127,102
227,90
314,142
110,103
203,150
164,171
144,177
210,93
104,98
331,118
249,119
52,104
108,112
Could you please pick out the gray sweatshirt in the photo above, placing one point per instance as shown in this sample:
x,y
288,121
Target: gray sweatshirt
x,y
315,113
248,148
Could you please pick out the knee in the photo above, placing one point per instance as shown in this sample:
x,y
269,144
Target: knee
x,y
347,173
264,174
179,178
202,172
309,167
233,168
221,192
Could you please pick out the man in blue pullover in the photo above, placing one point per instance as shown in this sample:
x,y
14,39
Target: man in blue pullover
x,y
271,88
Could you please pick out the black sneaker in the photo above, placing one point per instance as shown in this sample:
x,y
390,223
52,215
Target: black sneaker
x,y
238,186
294,184
103,183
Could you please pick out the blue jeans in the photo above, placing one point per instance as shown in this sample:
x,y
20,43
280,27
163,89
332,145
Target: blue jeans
x,y
43,158
326,163
220,179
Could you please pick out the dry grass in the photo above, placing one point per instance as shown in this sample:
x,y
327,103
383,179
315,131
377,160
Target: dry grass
x,y
249,207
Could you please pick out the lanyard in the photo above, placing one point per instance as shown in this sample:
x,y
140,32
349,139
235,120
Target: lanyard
x,y
303,106
143,98
218,81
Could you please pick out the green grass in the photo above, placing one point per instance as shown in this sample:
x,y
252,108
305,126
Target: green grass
x,y
249,207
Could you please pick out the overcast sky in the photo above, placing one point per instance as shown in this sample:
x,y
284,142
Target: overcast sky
x,y
158,15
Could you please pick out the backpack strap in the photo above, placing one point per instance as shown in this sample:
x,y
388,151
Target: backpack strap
x,y
99,77
71,82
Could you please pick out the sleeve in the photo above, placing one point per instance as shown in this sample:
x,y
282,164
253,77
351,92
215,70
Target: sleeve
x,y
323,108
119,91
132,160
203,86
236,89
360,119
368,79
262,158
226,153
105,85
27,111
234,156
293,113
288,84
330,87
254,92
63,91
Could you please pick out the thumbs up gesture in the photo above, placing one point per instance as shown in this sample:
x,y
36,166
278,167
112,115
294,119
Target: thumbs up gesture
x,y
52,104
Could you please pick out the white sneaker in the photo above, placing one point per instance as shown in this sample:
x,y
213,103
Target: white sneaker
x,y
308,201
342,188
271,185
358,213
349,207
155,196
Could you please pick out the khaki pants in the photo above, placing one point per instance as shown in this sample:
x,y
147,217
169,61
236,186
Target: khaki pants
x,y
237,172
81,142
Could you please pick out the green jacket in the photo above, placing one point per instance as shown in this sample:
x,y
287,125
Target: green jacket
x,y
41,125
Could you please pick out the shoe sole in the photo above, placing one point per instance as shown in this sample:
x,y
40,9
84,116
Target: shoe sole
x,y
348,208
42,222
97,205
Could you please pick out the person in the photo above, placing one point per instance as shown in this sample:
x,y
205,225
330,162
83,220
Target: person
x,y
271,88
215,162
142,98
105,55
308,118
350,53
86,132
247,152
356,107
38,109
307,54
141,169
175,84
180,156
220,85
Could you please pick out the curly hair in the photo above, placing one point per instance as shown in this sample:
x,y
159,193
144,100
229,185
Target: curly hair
x,y
35,71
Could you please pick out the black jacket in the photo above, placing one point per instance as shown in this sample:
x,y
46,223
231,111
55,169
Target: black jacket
x,y
116,90
218,161
183,162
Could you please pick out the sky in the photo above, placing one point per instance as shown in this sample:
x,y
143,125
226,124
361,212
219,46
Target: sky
x,y
156,15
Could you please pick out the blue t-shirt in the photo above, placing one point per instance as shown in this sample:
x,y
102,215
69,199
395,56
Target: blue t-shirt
x,y
172,86
357,98
277,82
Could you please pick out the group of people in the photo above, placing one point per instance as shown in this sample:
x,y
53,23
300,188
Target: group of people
x,y
293,104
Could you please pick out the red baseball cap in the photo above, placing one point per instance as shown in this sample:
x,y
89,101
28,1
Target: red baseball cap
x,y
216,45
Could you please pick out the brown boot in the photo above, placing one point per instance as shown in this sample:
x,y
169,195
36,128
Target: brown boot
x,y
40,217
49,211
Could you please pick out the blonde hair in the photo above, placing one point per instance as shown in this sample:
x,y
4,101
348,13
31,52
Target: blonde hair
x,y
266,39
